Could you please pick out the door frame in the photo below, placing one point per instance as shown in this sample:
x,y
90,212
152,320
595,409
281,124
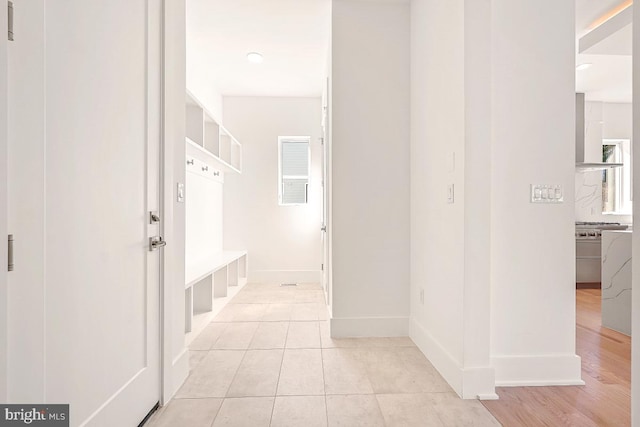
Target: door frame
x,y
175,357
325,193
3,199
635,176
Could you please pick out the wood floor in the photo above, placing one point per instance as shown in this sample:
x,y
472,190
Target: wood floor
x,y
605,400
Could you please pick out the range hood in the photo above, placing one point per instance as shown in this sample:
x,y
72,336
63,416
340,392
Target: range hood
x,y
581,165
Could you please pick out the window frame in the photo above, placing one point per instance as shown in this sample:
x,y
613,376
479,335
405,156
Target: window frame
x,y
281,178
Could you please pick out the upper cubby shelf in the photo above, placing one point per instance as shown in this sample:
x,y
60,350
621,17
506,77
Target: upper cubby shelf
x,y
208,140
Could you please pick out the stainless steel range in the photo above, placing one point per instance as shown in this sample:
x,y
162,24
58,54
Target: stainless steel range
x,y
588,250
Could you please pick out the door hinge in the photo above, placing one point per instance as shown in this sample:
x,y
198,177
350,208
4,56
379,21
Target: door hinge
x,y
322,267
10,253
10,17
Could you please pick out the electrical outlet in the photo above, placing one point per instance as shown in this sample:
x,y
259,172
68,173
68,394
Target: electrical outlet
x,y
422,296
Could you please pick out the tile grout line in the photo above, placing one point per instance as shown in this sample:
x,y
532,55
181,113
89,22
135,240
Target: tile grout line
x,y
384,422
219,335
234,374
217,413
324,382
284,349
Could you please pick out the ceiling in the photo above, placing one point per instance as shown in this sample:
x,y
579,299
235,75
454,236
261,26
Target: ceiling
x,y
609,79
292,36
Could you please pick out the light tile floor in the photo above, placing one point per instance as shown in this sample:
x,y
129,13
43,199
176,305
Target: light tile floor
x,y
267,359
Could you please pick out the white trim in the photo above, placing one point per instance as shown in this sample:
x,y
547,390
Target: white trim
x,y
179,373
285,276
479,383
540,370
348,327
468,383
3,201
444,362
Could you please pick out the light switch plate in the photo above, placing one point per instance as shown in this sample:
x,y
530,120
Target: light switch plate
x,y
542,193
180,192
450,193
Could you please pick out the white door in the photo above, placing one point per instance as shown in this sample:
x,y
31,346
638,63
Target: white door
x,y
84,155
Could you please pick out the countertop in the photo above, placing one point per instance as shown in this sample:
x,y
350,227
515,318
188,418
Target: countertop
x,y
616,280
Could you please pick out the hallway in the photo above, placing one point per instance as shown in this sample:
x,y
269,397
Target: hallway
x,y
267,359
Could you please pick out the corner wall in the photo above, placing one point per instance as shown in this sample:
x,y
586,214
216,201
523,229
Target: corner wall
x,y
451,146
492,103
283,242
533,248
437,160
369,118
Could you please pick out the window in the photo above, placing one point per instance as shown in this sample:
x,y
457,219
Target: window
x,y
616,182
293,170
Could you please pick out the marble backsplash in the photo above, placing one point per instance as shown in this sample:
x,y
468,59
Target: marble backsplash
x,y
589,200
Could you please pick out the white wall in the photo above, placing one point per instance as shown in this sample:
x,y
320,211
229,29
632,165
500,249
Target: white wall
x,y
635,316
493,112
200,82
450,144
201,85
283,241
437,132
603,121
203,228
370,168
533,249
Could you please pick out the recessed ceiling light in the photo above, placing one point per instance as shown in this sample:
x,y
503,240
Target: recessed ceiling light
x,y
583,66
254,57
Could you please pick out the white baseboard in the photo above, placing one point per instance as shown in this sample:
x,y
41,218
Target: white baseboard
x,y
180,372
468,383
285,276
352,327
543,370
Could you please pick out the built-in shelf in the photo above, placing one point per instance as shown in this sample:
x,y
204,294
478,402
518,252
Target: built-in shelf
x,y
212,276
208,141
208,280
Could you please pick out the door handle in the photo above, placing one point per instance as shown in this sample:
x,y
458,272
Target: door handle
x,y
156,243
323,228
